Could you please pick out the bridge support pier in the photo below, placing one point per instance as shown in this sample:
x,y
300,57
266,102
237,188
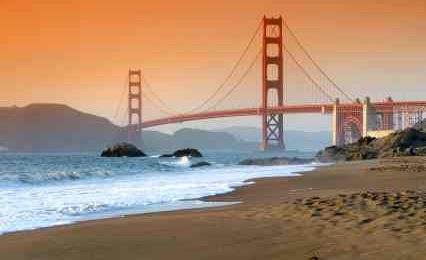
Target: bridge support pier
x,y
388,123
134,127
347,123
272,83
369,117
377,120
334,128
352,121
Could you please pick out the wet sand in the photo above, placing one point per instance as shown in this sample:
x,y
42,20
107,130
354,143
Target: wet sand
x,y
357,210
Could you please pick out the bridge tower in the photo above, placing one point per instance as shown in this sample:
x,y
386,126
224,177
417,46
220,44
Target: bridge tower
x,y
272,83
134,127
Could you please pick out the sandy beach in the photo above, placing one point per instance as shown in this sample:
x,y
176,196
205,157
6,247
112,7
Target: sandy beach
x,y
356,210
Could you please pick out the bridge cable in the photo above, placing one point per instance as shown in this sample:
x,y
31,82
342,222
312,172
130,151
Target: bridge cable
x,y
124,117
232,72
306,73
156,105
123,92
170,110
315,63
238,83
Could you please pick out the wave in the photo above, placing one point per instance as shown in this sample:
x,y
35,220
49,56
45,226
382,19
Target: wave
x,y
28,207
38,170
55,176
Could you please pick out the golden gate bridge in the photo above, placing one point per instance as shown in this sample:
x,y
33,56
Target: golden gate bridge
x,y
351,118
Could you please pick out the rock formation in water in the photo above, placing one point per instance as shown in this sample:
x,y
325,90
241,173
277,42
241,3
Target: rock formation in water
x,y
407,142
121,150
189,152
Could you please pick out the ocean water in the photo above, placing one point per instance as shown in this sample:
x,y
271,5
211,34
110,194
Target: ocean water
x,y
42,190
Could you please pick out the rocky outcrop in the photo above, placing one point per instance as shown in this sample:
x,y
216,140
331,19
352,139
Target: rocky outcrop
x,y
361,150
408,142
275,161
189,152
420,125
121,150
331,154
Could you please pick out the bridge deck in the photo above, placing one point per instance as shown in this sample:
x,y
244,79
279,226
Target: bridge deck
x,y
288,109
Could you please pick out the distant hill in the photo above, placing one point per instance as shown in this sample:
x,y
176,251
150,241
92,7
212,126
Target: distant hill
x,y
295,140
244,133
192,138
60,128
54,128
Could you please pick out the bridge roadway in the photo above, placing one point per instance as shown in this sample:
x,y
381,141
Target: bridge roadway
x,y
287,109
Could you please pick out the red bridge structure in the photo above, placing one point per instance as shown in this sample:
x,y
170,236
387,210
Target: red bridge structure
x,y
351,118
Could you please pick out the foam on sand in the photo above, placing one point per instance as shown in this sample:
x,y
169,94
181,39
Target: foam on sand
x,y
34,206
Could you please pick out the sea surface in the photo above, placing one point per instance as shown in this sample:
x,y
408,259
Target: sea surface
x,y
42,190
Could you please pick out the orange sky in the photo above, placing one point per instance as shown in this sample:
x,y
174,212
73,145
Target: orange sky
x,y
78,52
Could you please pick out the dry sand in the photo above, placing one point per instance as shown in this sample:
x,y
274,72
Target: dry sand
x,y
358,210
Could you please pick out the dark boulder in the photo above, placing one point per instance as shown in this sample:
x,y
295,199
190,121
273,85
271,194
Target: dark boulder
x,y
332,153
189,152
420,151
121,150
275,161
365,140
200,164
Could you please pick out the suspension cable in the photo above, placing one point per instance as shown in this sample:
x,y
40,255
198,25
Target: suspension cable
x,y
157,97
315,63
123,92
165,108
159,107
306,73
238,83
232,72
124,116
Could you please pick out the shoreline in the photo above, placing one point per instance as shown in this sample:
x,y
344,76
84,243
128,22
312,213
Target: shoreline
x,y
170,207
279,217
187,200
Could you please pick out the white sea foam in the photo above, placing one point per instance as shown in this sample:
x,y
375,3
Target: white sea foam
x,y
24,207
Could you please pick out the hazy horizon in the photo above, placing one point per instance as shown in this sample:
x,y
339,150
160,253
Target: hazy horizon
x,y
78,53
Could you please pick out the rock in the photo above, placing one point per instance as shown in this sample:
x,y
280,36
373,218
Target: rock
x,y
409,151
421,126
408,142
365,140
420,151
122,149
275,161
189,152
332,153
200,164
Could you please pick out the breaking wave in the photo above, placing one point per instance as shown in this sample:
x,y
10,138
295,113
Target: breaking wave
x,y
41,191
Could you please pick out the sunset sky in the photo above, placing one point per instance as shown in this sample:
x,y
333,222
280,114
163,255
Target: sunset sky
x,y
78,52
